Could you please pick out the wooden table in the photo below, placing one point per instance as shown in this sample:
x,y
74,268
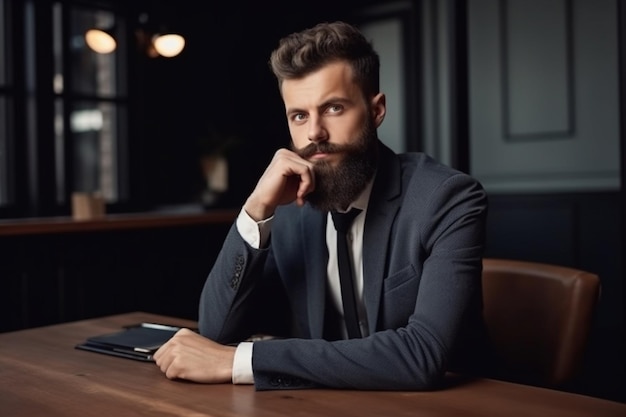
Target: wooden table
x,y
41,374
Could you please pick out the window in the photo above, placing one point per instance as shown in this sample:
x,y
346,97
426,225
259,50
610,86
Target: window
x,y
6,101
90,105
64,120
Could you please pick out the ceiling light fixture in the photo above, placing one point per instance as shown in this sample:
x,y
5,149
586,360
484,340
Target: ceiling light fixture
x,y
154,43
158,39
169,44
100,41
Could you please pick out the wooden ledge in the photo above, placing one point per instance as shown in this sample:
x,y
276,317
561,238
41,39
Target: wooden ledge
x,y
32,226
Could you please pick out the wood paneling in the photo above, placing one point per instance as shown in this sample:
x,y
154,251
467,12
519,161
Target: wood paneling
x,y
60,274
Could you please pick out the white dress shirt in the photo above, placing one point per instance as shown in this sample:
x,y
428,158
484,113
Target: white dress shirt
x,y
256,234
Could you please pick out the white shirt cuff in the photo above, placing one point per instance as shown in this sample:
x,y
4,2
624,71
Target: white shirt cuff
x,y
254,233
242,365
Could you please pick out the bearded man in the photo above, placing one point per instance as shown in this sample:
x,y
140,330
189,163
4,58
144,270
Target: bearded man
x,y
416,246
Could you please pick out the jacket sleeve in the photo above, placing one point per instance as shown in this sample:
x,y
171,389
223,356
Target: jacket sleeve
x,y
233,301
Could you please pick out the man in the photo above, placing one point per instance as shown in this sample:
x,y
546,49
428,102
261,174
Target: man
x,y
417,246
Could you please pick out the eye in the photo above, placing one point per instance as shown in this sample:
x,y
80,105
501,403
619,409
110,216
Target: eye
x,y
298,117
334,108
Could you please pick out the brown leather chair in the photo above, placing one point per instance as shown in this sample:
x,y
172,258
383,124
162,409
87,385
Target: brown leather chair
x,y
538,317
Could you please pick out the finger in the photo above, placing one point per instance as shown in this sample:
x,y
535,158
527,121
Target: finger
x,y
160,352
307,183
163,360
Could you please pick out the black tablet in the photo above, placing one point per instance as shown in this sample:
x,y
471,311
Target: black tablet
x,y
137,342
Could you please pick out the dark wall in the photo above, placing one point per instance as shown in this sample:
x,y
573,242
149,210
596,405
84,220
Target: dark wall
x,y
59,277
221,80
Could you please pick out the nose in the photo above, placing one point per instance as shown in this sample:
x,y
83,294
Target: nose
x,y
317,131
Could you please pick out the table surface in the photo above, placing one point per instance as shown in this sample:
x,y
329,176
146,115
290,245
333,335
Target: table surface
x,y
41,374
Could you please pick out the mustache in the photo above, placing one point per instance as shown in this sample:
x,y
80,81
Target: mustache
x,y
321,147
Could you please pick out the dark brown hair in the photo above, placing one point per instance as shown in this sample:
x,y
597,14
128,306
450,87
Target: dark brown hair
x,y
301,53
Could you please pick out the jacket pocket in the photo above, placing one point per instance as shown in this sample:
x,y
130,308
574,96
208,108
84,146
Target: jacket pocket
x,y
399,295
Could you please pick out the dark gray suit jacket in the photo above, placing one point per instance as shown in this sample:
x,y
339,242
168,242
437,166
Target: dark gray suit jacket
x,y
422,249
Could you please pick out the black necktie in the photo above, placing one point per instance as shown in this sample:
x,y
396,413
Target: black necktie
x,y
342,223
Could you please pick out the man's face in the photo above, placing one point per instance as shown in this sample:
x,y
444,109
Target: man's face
x,y
333,126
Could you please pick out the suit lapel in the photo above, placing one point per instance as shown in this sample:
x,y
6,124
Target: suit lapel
x,y
313,230
381,212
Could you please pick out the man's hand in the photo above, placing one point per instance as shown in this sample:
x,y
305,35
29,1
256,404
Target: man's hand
x,y
188,355
287,178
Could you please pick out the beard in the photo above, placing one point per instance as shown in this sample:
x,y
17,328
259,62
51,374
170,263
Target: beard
x,y
338,186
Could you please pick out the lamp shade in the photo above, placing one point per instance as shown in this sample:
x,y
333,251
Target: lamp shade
x,y
168,45
100,41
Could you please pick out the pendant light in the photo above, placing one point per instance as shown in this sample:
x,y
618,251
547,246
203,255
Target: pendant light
x,y
100,40
169,44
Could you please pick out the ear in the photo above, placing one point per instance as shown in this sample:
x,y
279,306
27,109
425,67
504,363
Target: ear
x,y
378,106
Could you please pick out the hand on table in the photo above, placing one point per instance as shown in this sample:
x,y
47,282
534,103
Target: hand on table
x,y
190,356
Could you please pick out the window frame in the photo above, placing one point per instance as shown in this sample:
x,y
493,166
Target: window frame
x,y
31,167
